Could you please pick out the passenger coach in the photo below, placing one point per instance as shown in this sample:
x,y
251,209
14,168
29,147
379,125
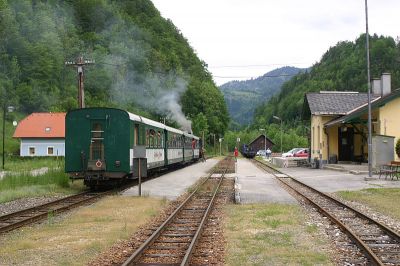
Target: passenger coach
x,y
100,145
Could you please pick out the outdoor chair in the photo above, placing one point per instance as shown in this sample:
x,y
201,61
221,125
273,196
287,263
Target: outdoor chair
x,y
391,169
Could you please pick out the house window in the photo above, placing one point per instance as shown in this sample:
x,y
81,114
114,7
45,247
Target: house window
x,y
50,150
31,150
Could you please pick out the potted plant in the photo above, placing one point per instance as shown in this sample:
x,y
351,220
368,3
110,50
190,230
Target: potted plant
x,y
398,148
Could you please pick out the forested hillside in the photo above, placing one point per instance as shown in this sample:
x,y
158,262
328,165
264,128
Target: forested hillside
x,y
142,61
243,96
342,68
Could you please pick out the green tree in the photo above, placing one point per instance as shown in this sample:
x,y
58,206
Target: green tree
x,y
199,125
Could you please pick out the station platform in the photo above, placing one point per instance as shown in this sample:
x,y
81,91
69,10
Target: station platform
x,y
172,185
328,180
256,186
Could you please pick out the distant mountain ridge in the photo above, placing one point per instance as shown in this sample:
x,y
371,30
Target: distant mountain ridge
x,y
242,97
341,68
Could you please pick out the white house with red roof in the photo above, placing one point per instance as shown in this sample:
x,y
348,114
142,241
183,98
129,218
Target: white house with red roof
x,y
42,134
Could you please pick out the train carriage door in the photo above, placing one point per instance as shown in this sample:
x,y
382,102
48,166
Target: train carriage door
x,y
96,149
136,137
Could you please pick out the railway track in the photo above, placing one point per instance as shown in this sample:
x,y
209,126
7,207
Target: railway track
x,y
27,216
379,243
15,220
174,241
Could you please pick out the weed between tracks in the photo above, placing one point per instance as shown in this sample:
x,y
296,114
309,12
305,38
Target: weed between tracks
x,y
80,235
271,234
384,200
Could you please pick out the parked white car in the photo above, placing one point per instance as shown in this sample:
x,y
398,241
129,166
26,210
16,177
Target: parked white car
x,y
261,153
291,152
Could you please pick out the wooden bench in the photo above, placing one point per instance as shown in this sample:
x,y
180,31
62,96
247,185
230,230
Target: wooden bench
x,y
391,169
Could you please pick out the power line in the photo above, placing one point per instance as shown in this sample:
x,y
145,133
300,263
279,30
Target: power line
x,y
261,65
264,76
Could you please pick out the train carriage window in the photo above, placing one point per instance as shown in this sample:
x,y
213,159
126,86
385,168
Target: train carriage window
x,y
159,140
152,138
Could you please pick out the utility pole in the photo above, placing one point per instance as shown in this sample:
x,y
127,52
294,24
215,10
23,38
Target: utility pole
x,y
80,64
369,94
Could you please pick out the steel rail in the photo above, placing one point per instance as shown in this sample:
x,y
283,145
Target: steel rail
x,y
149,241
161,228
391,232
189,252
40,212
368,252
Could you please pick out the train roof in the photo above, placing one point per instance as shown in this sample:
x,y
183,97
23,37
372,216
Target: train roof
x,y
171,129
186,134
150,122
138,118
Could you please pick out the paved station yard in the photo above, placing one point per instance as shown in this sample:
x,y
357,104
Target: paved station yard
x,y
253,185
332,181
173,184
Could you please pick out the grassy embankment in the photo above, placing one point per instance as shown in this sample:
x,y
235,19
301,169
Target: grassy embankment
x,y
19,181
272,234
384,200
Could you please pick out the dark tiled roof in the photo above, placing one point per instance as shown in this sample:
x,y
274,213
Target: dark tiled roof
x,y
363,109
335,103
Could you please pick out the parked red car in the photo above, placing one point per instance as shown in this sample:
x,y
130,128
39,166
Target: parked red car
x,y
301,153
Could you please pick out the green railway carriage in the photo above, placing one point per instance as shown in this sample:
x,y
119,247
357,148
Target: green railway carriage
x,y
100,144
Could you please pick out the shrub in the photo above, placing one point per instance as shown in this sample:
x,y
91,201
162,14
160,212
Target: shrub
x,y
398,147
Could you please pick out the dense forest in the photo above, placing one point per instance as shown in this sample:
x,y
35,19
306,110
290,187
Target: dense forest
x,y
243,96
142,62
342,68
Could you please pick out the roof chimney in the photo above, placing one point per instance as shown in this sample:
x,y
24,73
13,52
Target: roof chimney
x,y
386,84
376,86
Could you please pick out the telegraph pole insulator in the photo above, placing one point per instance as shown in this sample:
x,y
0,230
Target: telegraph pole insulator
x,y
80,65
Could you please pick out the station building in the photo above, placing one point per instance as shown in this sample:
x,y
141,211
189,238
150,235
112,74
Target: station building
x,y
42,134
261,142
339,124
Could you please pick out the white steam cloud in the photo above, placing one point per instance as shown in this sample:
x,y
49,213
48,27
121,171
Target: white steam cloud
x,y
156,92
169,104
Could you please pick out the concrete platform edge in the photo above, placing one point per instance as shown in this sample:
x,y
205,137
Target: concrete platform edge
x,y
237,193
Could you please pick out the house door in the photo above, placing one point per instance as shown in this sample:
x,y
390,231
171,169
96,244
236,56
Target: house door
x,y
346,143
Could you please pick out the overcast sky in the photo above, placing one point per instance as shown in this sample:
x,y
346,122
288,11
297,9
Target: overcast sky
x,y
243,39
